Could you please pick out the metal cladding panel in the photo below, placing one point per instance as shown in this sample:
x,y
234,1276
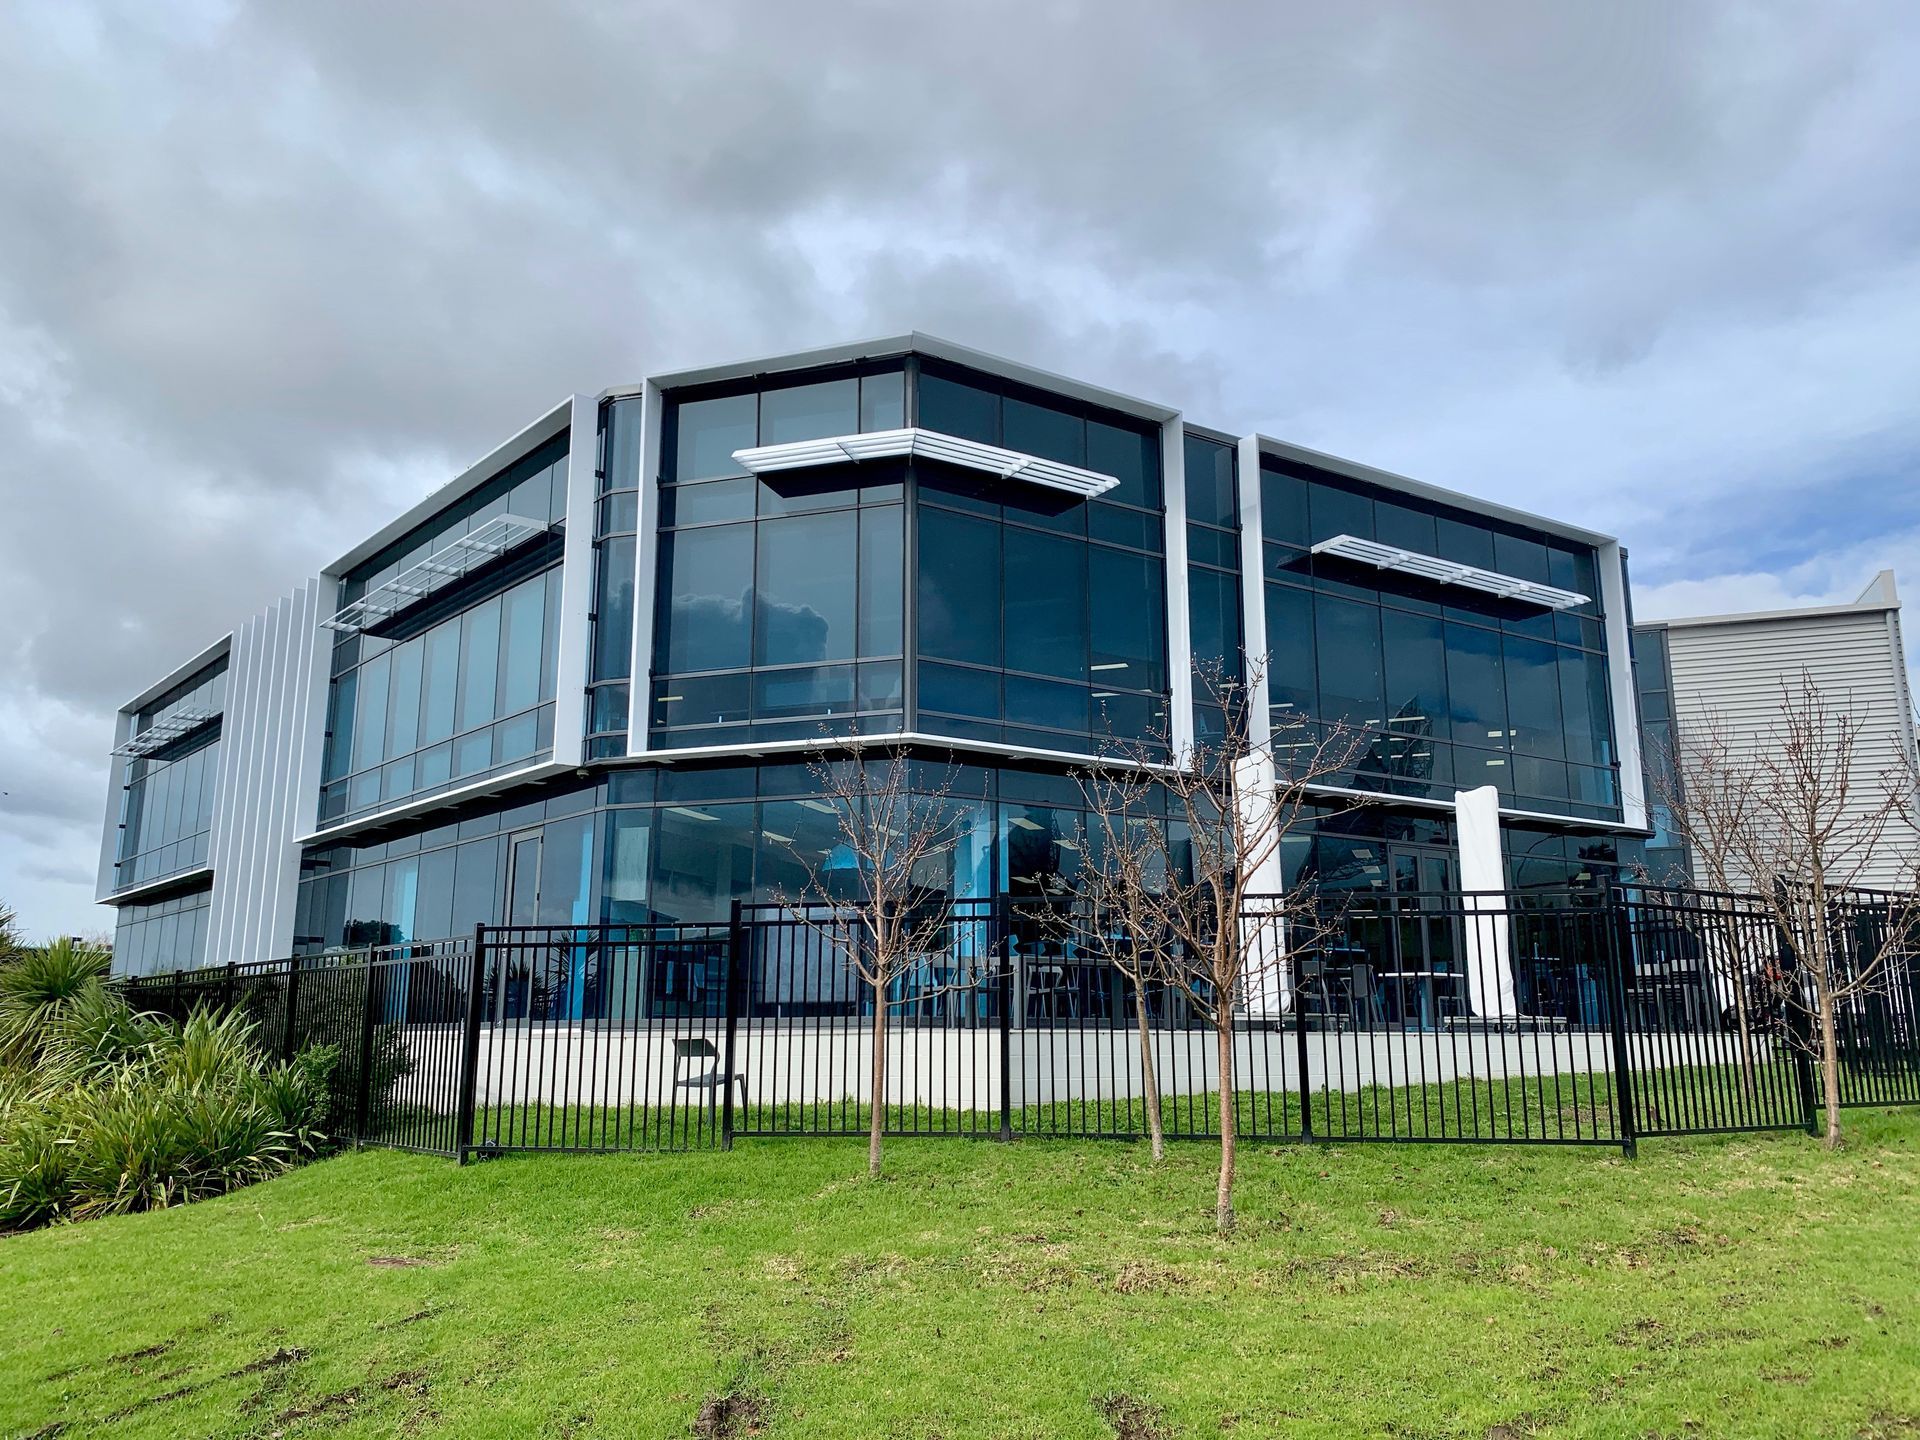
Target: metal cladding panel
x,y
1729,677
268,777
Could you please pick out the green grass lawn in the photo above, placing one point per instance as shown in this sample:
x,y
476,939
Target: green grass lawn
x,y
1742,1287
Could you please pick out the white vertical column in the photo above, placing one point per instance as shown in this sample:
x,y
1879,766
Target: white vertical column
x,y
1173,471
645,560
576,584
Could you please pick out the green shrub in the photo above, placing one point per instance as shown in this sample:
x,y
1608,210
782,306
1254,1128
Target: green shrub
x,y
37,987
295,1093
34,1184
96,1035
122,1112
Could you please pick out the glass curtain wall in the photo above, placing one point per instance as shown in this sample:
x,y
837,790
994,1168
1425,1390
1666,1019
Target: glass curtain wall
x,y
1039,617
164,935
779,608
1456,689
1213,576
616,518
677,846
1668,858
167,797
461,686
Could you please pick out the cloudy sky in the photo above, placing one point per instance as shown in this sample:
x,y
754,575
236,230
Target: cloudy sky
x,y
268,273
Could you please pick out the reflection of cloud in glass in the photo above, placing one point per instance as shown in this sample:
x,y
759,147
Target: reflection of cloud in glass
x,y
715,625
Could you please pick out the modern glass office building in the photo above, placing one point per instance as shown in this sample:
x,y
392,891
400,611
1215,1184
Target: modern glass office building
x,y
581,682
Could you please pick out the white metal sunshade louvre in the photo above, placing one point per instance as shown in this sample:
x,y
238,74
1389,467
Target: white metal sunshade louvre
x,y
1448,572
932,445
449,563
163,732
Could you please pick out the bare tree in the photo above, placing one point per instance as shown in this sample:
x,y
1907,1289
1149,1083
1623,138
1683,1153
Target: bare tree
x,y
1213,900
1712,800
1126,864
897,825
1797,815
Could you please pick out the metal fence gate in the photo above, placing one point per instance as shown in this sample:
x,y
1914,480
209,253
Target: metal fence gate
x,y
1570,1018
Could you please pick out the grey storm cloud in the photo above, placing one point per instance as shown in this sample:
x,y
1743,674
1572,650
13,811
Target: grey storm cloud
x,y
268,273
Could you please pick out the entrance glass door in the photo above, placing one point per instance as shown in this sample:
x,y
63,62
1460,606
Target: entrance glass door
x,y
1423,987
517,998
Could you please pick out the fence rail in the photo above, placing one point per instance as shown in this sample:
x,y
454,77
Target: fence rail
x,y
1569,1018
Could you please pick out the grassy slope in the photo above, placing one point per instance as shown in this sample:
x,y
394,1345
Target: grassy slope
x,y
1738,1287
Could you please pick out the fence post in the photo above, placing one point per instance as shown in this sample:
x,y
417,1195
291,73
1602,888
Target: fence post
x,y
1005,948
363,1078
1798,1023
736,989
290,1033
1300,1044
470,1047
229,985
1618,952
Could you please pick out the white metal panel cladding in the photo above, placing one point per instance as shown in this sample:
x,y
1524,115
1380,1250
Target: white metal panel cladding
x,y
1448,572
268,777
1729,677
930,445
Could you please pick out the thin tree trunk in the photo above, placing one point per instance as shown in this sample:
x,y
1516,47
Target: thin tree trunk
x,y
1747,1078
877,1124
1830,1067
1149,1080
1223,1200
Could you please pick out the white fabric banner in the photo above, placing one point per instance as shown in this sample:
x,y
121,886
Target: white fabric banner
x,y
1483,876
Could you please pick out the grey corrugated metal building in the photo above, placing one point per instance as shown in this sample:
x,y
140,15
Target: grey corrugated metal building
x,y
1728,671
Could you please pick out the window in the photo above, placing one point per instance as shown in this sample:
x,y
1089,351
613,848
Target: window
x,y
1292,678
882,543
708,433
613,618
1476,686
959,588
810,412
1128,631
955,408
1415,653
1210,483
706,577
1046,604
1533,698
805,589
1213,608
1347,635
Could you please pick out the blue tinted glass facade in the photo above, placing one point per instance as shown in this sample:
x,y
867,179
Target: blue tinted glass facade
x,y
1213,577
460,686
1456,688
616,541
1668,858
167,797
778,601
672,845
1039,616
169,934
897,595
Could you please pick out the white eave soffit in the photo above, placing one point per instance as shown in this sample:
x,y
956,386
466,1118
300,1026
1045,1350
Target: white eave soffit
x,y
930,445
1448,572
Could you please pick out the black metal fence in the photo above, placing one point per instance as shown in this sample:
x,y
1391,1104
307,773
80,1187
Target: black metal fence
x,y
1556,1018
